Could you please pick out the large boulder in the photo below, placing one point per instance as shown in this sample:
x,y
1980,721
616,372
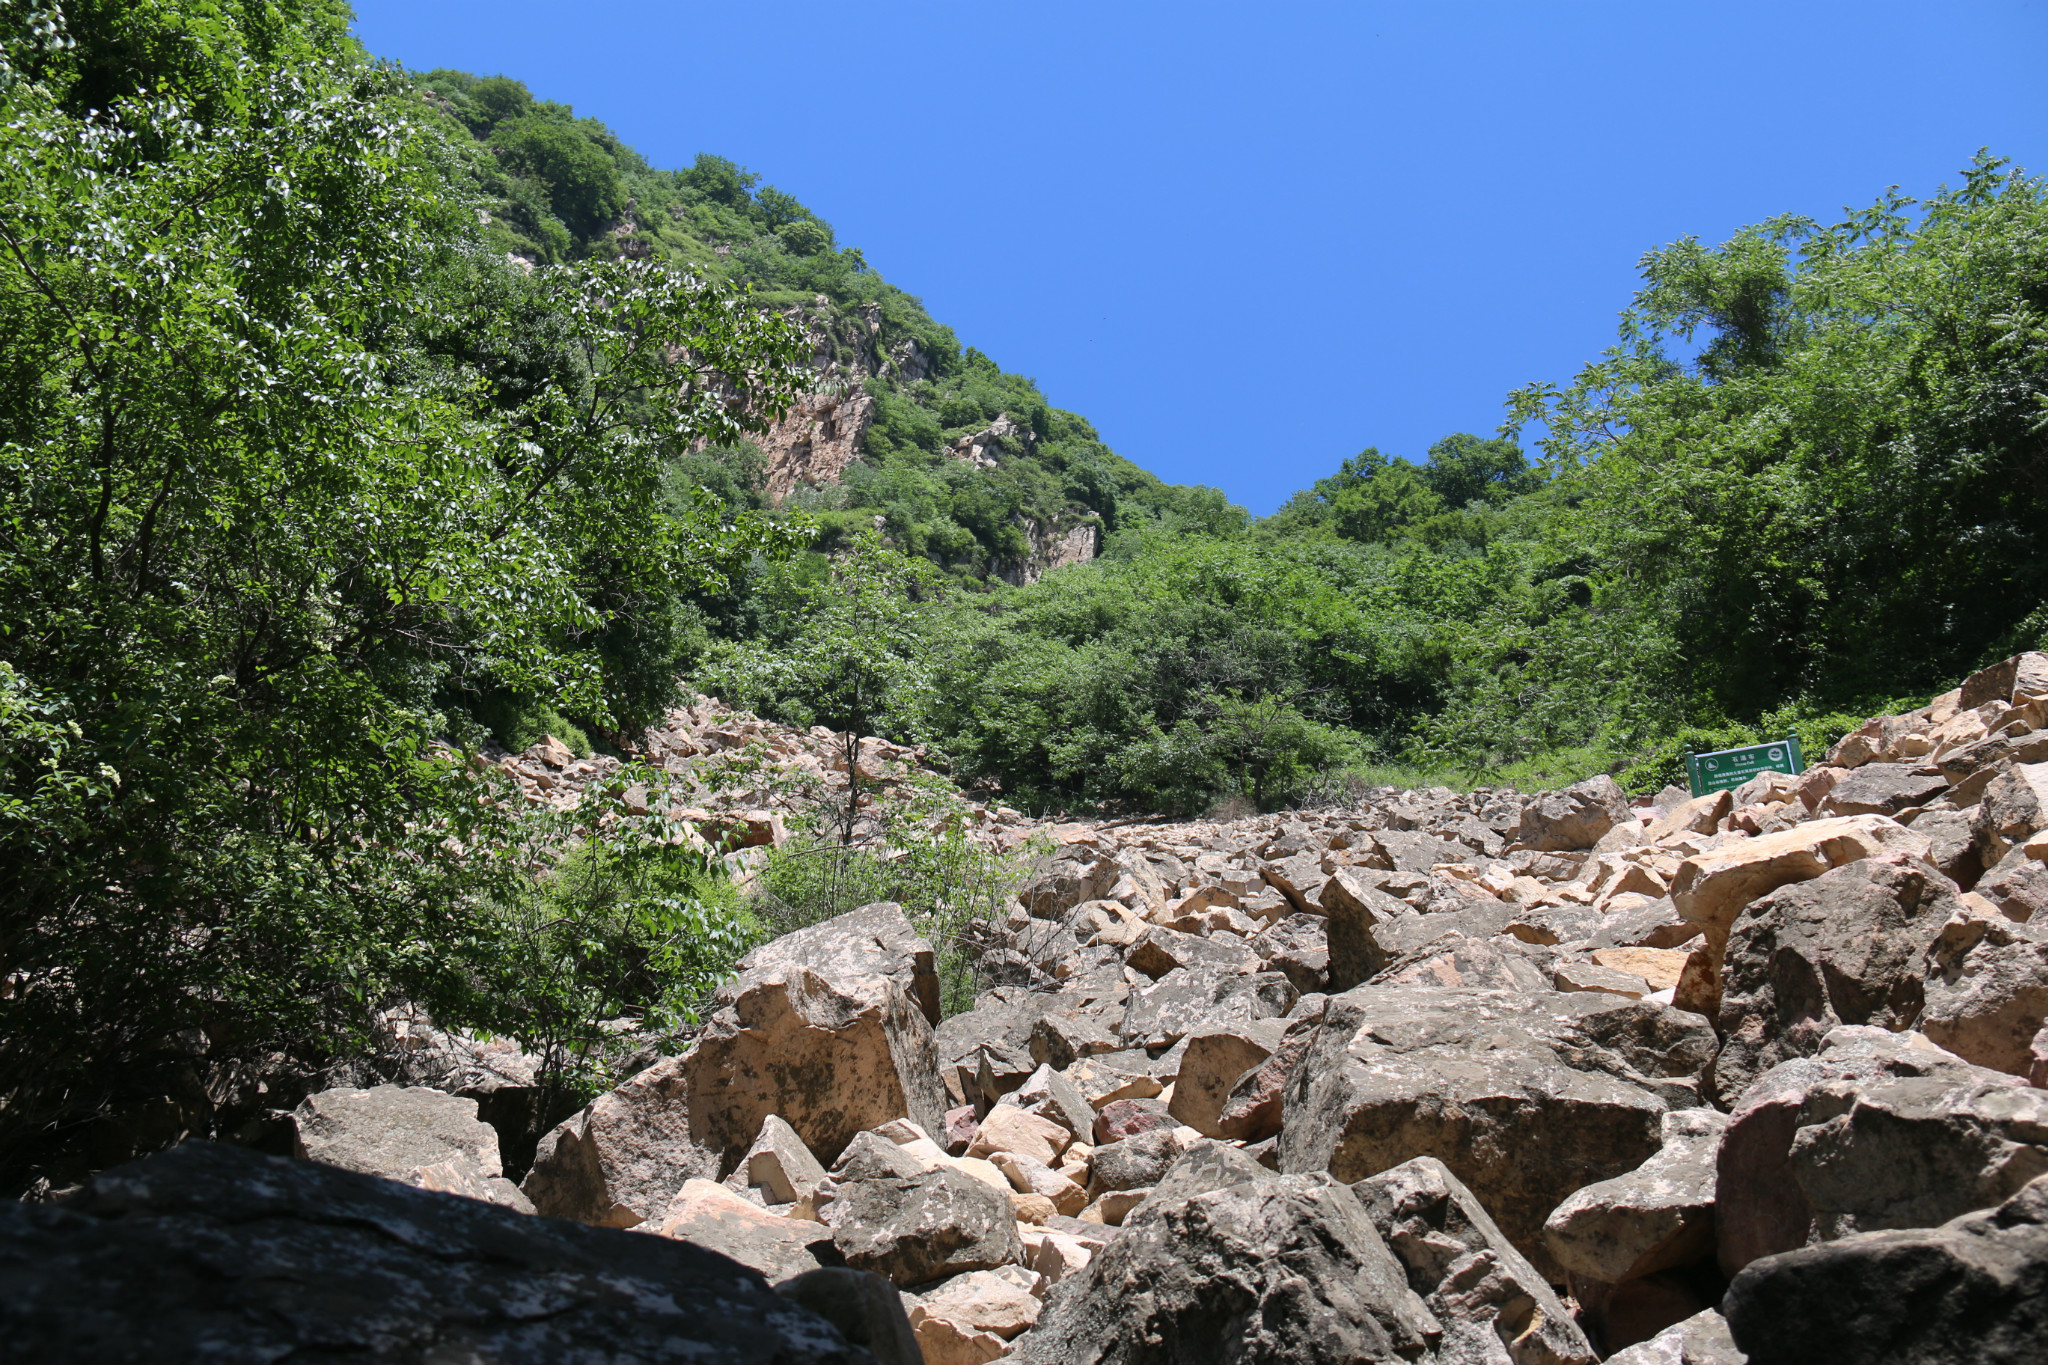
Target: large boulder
x,y
216,1253
1284,1270
832,1059
423,1137
1712,886
922,1227
1574,818
1987,990
1525,1097
1882,789
1215,1059
1491,1302
2015,806
1879,1130
1844,948
1973,1291
875,940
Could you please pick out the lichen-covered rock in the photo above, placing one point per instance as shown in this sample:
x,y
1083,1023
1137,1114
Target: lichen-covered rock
x,y
922,1227
218,1254
875,940
1286,1270
1973,1291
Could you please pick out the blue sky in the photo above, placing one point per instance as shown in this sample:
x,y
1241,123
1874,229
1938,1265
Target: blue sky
x,y
1248,240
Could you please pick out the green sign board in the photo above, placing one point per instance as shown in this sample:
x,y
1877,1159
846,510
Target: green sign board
x,y
1725,768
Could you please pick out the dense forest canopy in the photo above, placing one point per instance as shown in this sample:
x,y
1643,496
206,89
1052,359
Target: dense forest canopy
x,y
352,419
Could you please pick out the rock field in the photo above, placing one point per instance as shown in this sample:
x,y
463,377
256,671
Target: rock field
x,y
1437,1077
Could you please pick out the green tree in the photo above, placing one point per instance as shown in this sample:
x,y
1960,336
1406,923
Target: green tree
x,y
581,180
255,525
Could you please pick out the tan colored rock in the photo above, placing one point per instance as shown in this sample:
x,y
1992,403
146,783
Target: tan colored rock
x,y
1712,887
1114,1206
1007,1128
1057,1255
2014,808
1660,967
943,1342
980,1168
1586,976
2024,677
1987,990
1026,1176
1035,1209
712,1216
1106,922
778,1165
1214,1061
997,1301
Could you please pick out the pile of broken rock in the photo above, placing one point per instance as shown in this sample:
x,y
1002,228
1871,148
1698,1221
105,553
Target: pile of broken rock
x,y
1438,1078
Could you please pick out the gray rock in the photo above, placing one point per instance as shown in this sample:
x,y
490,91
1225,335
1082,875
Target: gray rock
x,y
1844,948
1415,852
923,1227
1068,882
1574,818
867,1310
875,940
1489,1299
2017,887
1880,1130
1133,1163
1656,925
1203,1167
1354,909
1161,950
218,1254
1659,1216
1702,1339
1955,844
1286,1270
1500,964
1973,1291
1059,1040
422,1137
2015,806
1527,1098
1163,1013
1299,878
1987,991
1882,789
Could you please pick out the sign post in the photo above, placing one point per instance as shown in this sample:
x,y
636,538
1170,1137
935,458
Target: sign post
x,y
1727,768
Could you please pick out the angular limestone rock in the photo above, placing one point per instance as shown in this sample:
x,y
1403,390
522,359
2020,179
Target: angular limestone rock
x,y
778,1165
1487,1296
1210,1068
875,940
923,1227
713,1217
1879,1130
423,1137
1702,1339
1286,1270
1657,1217
1844,948
1574,818
831,1062
1987,991
1526,1098
1973,1291
210,1252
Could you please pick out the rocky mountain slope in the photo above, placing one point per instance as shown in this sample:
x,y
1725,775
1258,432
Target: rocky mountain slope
x,y
1453,1077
